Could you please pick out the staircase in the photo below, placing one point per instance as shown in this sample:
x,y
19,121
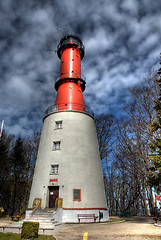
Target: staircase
x,y
45,219
47,224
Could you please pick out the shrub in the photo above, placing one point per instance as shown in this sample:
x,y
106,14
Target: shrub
x,y
30,230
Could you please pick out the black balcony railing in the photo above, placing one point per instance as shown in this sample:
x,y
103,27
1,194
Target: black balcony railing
x,y
70,41
69,107
75,79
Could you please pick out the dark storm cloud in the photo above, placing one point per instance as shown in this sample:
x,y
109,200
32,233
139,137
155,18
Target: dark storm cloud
x,y
122,41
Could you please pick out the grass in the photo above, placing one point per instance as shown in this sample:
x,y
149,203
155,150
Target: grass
x,y
112,219
115,219
15,236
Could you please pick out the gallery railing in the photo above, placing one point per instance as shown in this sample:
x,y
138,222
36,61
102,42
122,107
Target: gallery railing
x,y
69,107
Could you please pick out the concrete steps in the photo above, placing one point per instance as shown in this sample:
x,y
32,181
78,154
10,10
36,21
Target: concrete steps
x,y
44,217
47,224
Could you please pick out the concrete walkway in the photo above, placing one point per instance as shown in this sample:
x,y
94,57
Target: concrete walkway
x,y
128,230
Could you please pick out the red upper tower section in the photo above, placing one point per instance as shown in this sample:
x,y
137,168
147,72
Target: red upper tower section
x,y
70,84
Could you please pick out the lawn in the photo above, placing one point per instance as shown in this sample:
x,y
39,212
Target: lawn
x,y
15,236
115,219
111,219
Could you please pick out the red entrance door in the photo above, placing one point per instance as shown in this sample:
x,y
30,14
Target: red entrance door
x,y
53,195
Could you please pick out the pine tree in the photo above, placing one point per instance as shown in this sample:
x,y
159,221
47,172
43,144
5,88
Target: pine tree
x,y
18,166
154,174
5,177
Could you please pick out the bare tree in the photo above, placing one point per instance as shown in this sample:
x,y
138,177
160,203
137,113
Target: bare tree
x,y
105,126
126,177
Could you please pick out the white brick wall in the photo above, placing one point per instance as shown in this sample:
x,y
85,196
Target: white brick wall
x,y
62,215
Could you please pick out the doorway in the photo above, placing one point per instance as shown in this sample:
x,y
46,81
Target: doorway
x,y
53,195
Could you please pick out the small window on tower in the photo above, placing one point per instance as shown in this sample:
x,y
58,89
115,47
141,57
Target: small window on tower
x,y
56,146
76,194
54,169
58,124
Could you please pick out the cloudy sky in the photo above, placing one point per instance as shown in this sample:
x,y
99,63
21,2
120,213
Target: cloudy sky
x,y
122,41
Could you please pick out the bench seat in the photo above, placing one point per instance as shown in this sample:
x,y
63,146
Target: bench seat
x,y
87,216
16,216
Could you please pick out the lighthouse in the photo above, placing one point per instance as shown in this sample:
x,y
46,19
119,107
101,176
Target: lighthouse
x,y
68,174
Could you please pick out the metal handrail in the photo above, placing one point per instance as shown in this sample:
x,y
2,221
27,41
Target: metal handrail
x,y
59,81
75,107
72,42
67,73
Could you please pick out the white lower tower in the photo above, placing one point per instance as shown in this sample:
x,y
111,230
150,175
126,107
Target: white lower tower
x,y
68,167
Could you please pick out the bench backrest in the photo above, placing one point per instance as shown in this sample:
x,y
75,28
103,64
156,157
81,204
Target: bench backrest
x,y
16,214
86,215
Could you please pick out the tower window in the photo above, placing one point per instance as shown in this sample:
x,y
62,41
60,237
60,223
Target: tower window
x,y
76,194
58,124
54,169
56,146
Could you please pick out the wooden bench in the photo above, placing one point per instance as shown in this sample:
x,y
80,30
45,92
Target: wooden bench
x,y
16,216
87,216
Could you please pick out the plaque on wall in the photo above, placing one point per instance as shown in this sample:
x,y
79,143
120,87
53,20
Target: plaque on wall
x,y
77,194
36,203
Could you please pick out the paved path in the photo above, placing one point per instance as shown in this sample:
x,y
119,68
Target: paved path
x,y
128,230
131,229
5,221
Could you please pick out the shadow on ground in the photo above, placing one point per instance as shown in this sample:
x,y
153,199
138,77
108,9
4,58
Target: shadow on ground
x,y
138,219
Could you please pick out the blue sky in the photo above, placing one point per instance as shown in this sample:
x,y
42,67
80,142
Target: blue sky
x,y
122,41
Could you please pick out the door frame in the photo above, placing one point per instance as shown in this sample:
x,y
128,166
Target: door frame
x,y
51,188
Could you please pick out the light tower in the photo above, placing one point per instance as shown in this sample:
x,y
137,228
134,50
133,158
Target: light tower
x,y
68,162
